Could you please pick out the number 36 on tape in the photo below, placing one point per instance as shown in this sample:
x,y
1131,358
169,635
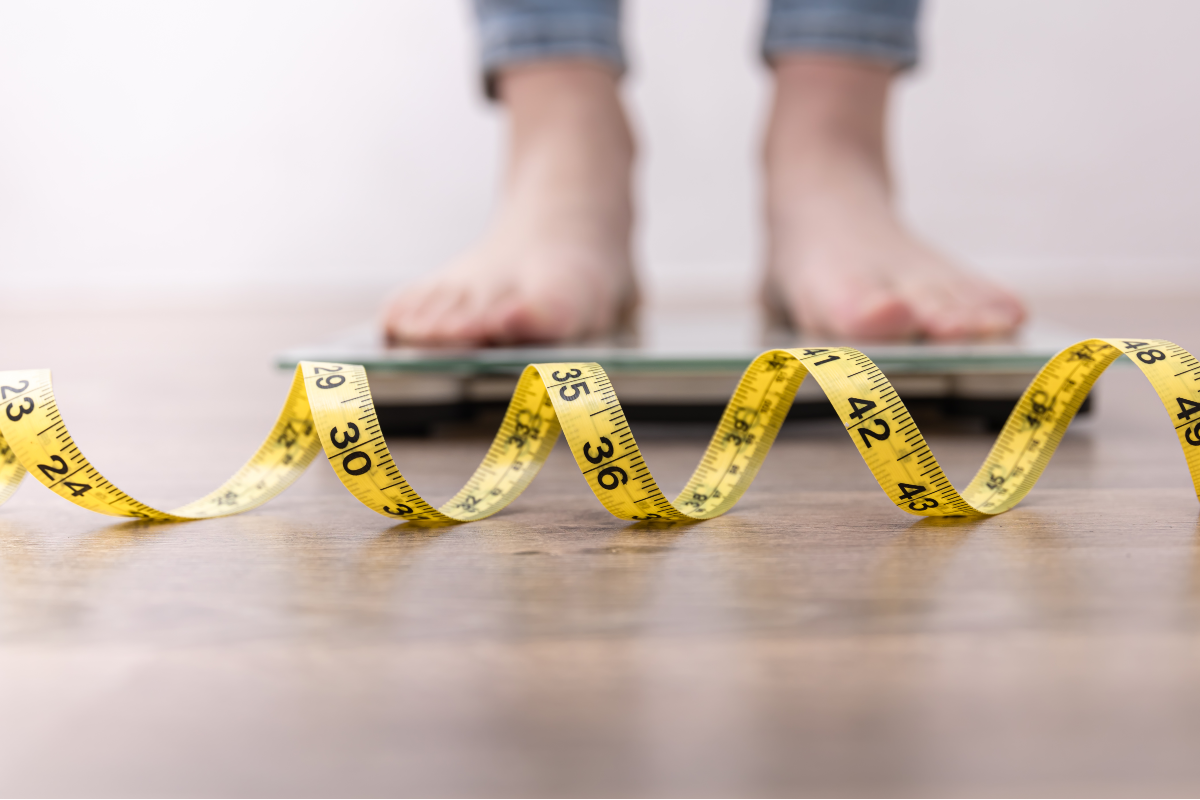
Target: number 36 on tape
x,y
329,412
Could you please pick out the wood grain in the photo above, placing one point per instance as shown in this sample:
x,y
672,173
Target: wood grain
x,y
814,641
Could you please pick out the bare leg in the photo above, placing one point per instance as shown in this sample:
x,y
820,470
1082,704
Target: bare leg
x,y
556,263
840,261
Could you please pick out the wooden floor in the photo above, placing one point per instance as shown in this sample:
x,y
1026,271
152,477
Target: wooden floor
x,y
813,641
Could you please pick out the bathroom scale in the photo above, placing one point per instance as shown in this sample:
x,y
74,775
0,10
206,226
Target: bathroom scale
x,y
680,366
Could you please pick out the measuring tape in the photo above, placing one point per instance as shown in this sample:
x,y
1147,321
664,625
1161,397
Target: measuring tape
x,y
329,411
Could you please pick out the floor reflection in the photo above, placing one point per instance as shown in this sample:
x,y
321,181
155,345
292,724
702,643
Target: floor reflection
x,y
907,580
600,588
1047,587
337,585
49,586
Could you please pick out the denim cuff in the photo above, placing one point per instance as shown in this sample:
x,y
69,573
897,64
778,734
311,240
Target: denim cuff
x,y
515,38
860,33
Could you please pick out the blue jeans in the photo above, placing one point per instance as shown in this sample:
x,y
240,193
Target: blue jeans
x,y
515,31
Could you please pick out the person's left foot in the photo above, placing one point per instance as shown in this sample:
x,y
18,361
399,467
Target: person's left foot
x,y
843,264
840,261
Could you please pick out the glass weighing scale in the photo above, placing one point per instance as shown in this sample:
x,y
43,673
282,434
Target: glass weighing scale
x,y
682,365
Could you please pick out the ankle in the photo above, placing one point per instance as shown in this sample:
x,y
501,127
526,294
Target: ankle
x,y
828,113
570,154
824,149
565,101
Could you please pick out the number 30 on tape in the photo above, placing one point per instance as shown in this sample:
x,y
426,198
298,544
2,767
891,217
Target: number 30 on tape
x,y
329,412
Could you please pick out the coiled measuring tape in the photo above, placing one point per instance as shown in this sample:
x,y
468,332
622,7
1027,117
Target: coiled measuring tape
x,y
329,411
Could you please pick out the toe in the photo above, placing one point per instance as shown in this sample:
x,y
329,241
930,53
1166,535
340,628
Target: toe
x,y
430,312
945,318
1005,310
978,309
822,298
468,323
866,310
458,323
882,316
533,316
953,305
405,312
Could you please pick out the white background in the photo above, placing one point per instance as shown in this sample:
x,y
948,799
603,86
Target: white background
x,y
223,145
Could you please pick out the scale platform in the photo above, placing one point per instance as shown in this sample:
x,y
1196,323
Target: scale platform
x,y
682,365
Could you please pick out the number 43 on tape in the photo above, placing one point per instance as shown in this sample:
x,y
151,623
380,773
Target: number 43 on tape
x,y
328,412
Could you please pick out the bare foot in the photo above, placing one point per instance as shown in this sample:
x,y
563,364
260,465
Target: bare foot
x,y
556,263
839,260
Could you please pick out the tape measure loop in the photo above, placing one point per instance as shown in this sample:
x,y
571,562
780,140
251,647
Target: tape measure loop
x,y
329,410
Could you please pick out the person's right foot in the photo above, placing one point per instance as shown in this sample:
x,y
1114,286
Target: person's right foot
x,y
556,265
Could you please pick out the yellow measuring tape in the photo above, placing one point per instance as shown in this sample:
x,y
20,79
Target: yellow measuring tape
x,y
329,410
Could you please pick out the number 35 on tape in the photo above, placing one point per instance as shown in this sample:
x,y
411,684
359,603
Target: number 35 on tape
x,y
328,412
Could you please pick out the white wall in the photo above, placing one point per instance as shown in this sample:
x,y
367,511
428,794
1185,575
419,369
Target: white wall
x,y
217,144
